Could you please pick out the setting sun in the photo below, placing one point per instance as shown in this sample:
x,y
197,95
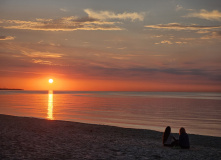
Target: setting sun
x,y
50,80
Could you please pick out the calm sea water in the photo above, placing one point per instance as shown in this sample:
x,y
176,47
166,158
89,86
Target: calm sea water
x,y
199,113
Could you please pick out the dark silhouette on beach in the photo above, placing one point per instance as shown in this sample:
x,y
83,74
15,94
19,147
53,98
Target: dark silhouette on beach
x,y
168,139
184,139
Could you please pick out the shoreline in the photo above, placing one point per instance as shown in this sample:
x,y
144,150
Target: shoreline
x,y
33,138
11,89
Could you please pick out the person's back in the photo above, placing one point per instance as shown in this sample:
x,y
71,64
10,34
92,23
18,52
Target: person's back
x,y
184,139
168,138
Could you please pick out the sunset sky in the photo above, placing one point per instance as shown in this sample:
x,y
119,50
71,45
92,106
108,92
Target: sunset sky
x,y
116,45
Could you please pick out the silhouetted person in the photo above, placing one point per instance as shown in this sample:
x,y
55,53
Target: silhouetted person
x,y
184,139
168,139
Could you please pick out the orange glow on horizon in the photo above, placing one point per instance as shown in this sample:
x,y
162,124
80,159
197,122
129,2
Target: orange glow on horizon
x,y
62,83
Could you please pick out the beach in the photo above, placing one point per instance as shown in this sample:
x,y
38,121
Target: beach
x,y
33,138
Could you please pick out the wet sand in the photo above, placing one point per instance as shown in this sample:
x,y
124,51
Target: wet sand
x,y
32,138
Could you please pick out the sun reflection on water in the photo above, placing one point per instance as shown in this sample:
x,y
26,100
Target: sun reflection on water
x,y
50,105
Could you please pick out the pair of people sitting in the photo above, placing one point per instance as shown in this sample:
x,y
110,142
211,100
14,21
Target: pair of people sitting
x,y
170,141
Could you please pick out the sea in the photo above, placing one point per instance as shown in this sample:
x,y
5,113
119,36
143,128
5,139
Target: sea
x,y
198,112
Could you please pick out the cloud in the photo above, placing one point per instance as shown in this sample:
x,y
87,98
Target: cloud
x,y
155,74
63,10
179,7
166,42
169,42
203,31
104,15
214,15
94,21
157,36
71,23
179,42
42,54
4,38
40,61
178,26
213,35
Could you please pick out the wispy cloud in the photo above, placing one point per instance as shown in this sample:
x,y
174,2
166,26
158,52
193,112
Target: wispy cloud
x,y
122,48
96,20
63,10
33,53
179,42
71,23
40,61
213,35
169,42
42,54
144,73
105,15
179,7
4,38
156,36
214,15
178,26
203,31
166,42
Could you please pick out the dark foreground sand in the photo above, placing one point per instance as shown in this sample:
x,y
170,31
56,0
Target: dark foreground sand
x,y
31,138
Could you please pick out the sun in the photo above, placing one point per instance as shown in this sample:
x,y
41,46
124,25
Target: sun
x,y
50,80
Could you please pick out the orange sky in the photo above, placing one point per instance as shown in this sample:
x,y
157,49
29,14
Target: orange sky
x,y
42,83
113,45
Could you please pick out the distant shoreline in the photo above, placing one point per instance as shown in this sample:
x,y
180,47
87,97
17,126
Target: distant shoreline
x,y
10,89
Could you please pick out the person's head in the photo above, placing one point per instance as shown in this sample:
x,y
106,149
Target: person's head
x,y
168,129
182,130
166,133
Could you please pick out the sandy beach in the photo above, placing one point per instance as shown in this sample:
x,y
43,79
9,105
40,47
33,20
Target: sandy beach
x,y
32,138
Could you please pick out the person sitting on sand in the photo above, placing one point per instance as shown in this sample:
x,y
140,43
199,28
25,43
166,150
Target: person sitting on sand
x,y
168,139
183,139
